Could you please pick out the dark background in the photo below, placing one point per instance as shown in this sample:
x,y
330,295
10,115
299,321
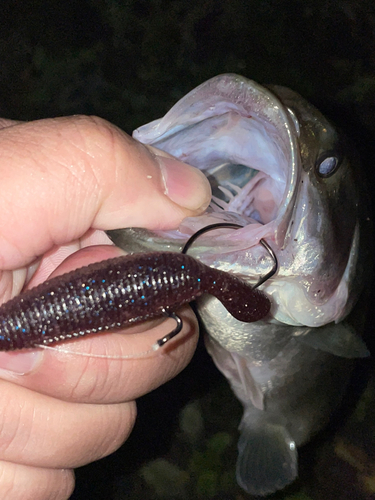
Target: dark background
x,y
129,62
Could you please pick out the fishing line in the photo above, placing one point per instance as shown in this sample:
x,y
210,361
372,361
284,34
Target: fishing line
x,y
142,354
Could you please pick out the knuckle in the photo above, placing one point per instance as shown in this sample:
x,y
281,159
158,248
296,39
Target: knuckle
x,y
121,426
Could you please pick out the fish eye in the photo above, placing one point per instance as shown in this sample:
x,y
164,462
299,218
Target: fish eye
x,y
327,165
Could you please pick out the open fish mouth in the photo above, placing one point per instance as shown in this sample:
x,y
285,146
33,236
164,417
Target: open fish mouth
x,y
244,140
242,137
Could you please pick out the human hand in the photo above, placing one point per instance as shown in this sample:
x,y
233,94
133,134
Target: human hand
x,y
63,182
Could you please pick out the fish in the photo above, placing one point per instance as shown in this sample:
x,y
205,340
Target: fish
x,y
281,170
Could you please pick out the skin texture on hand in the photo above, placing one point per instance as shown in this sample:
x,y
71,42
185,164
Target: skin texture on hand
x,y
65,181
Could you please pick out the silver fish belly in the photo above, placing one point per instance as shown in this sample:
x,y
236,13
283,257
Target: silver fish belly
x,y
280,169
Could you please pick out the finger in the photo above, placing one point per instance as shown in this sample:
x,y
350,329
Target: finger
x,y
80,172
51,260
41,431
21,482
4,122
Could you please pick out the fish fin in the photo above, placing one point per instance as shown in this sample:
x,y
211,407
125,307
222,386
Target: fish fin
x,y
237,370
338,339
252,390
267,459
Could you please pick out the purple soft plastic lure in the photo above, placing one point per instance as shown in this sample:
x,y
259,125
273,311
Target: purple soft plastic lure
x,y
118,292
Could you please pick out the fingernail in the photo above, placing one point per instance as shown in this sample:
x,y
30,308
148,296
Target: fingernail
x,y
185,185
20,363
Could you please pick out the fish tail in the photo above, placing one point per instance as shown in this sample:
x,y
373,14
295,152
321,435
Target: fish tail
x,y
267,459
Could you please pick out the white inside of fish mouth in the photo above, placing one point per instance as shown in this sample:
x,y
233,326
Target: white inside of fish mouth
x,y
244,159
252,199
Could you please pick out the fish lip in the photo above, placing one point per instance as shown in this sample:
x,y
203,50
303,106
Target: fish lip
x,y
247,98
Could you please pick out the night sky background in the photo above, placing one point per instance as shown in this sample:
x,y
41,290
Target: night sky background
x,y
129,62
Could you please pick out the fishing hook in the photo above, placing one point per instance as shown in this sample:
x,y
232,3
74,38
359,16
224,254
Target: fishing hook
x,y
206,229
173,333
274,267
176,317
190,241
218,225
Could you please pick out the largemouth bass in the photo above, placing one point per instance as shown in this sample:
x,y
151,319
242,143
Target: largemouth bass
x,y
280,169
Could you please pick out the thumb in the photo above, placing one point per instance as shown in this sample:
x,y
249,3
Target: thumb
x,y
61,177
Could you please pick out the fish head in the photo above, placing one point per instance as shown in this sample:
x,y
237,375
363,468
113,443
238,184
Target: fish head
x,y
280,169
325,230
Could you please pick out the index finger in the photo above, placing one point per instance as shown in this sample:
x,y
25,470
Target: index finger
x,y
62,176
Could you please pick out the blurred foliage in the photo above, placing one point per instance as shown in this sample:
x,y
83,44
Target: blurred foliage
x,y
130,61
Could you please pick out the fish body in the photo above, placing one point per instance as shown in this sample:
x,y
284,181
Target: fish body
x,y
281,170
286,400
